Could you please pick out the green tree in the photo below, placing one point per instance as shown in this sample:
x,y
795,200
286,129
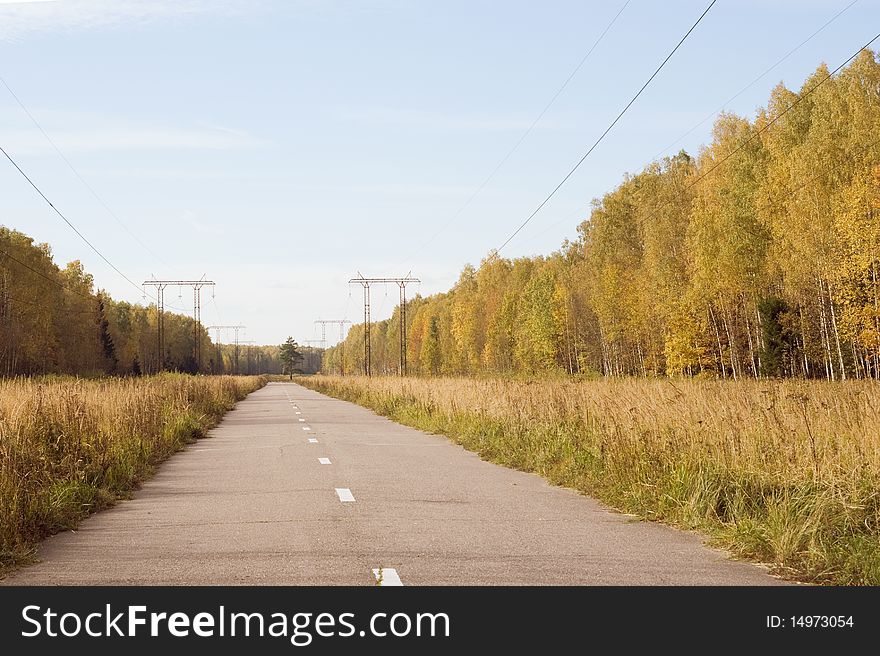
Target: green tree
x,y
289,356
774,345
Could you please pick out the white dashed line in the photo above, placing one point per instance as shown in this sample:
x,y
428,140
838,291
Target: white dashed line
x,y
301,419
344,494
324,461
306,428
387,576
312,440
298,412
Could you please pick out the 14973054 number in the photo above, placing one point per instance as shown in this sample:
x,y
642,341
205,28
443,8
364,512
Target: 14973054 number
x,y
821,621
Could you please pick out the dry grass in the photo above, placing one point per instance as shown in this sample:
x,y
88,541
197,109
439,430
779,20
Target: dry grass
x,y
785,472
69,447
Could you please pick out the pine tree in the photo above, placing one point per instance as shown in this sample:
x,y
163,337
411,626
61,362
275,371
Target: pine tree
x,y
289,356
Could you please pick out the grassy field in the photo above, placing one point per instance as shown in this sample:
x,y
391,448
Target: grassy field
x,y
785,472
69,447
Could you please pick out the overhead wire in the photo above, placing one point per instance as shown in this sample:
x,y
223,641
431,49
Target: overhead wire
x,y
772,122
43,275
523,136
607,130
39,191
756,80
732,98
79,176
744,142
67,221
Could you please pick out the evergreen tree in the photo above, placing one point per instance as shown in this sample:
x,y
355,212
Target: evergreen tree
x,y
774,342
289,356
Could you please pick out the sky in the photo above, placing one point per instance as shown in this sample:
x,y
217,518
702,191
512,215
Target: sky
x,y
281,147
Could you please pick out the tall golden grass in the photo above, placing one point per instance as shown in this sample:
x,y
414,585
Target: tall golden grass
x,y
69,447
785,472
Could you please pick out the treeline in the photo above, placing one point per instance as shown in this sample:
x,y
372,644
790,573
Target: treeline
x,y
52,320
249,359
758,257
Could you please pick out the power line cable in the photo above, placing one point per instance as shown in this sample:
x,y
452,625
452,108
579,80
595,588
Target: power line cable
x,y
772,122
43,275
53,280
80,177
789,108
34,304
756,80
769,124
525,134
788,195
608,129
79,234
65,219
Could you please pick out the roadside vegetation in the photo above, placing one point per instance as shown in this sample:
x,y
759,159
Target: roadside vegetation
x,y
784,472
69,447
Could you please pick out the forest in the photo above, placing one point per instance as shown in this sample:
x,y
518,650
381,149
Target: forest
x,y
758,257
54,321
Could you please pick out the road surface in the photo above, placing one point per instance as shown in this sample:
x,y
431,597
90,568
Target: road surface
x,y
297,488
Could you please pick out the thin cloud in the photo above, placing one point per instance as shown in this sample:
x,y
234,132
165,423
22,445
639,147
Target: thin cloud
x,y
86,132
20,19
121,139
223,129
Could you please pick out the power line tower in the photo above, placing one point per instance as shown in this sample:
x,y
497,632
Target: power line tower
x,y
197,285
247,358
310,354
236,328
401,282
341,323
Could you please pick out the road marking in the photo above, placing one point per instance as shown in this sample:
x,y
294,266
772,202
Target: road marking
x,y
312,440
387,576
306,428
324,461
298,412
344,494
301,419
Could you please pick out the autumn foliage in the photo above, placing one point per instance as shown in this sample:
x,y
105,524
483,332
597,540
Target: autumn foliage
x,y
757,257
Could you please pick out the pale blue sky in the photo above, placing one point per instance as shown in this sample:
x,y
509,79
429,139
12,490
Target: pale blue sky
x,y
280,147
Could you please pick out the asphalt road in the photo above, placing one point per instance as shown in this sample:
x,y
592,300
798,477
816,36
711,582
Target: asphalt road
x,y
296,488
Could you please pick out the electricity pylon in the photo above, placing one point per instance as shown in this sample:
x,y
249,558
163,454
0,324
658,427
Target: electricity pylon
x,y
401,282
341,323
249,343
236,328
197,285
311,352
